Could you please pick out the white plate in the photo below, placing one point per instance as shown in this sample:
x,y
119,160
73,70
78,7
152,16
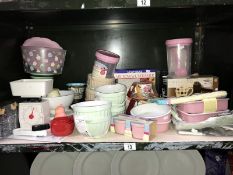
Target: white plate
x,y
54,163
182,162
135,163
93,163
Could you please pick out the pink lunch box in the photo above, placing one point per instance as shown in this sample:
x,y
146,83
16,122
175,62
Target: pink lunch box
x,y
198,106
194,118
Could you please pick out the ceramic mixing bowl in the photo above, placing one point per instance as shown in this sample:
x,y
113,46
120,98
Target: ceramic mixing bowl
x,y
65,99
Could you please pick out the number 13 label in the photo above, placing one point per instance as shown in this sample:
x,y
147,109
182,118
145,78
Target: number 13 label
x,y
143,3
129,146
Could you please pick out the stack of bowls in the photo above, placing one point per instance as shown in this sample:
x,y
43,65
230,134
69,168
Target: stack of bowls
x,y
161,114
95,82
92,118
116,94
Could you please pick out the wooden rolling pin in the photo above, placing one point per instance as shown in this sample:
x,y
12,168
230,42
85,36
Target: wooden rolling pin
x,y
196,97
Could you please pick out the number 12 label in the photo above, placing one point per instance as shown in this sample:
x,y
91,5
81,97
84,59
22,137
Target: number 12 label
x,y
143,3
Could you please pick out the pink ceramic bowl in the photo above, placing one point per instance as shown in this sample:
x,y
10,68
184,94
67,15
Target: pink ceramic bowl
x,y
137,130
198,106
119,126
162,126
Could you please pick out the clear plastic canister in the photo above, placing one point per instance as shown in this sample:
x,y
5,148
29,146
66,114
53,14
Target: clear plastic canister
x,y
105,64
179,53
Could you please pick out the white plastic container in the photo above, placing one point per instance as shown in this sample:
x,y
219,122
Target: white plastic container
x,y
29,88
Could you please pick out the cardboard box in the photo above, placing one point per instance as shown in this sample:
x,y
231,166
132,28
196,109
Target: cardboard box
x,y
129,76
148,127
181,87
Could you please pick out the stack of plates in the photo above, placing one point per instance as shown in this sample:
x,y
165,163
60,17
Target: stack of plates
x,y
119,163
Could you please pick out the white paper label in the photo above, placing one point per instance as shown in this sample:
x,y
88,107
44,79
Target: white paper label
x,y
143,3
129,146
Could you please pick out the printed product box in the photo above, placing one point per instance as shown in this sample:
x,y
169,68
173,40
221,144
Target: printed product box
x,y
181,87
129,76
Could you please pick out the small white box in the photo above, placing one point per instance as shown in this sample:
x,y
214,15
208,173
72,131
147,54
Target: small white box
x,y
29,88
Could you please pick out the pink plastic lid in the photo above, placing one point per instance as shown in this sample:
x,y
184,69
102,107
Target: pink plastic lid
x,y
107,56
183,41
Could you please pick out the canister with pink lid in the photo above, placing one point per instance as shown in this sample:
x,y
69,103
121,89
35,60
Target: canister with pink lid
x,y
179,53
105,64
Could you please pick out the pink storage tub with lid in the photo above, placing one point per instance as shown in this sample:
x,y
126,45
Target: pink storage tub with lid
x,y
198,106
194,118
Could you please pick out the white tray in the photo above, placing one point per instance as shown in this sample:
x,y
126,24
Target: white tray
x,y
29,88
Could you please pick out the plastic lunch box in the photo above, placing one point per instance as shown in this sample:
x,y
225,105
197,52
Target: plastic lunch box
x,y
193,118
198,106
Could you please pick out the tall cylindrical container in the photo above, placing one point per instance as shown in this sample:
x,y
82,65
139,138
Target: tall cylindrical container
x,y
179,57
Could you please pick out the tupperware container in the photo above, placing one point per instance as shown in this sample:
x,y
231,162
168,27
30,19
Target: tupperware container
x,y
42,61
193,118
137,130
198,106
162,126
179,57
119,126
105,64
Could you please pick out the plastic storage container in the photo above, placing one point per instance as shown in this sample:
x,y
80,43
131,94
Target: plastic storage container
x,y
179,57
105,64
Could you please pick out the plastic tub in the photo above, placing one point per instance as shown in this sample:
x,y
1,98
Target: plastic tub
x,y
137,130
105,64
119,126
193,118
198,106
162,126
43,61
179,57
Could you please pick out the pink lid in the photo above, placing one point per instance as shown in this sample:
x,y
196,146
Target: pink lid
x,y
107,56
184,41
